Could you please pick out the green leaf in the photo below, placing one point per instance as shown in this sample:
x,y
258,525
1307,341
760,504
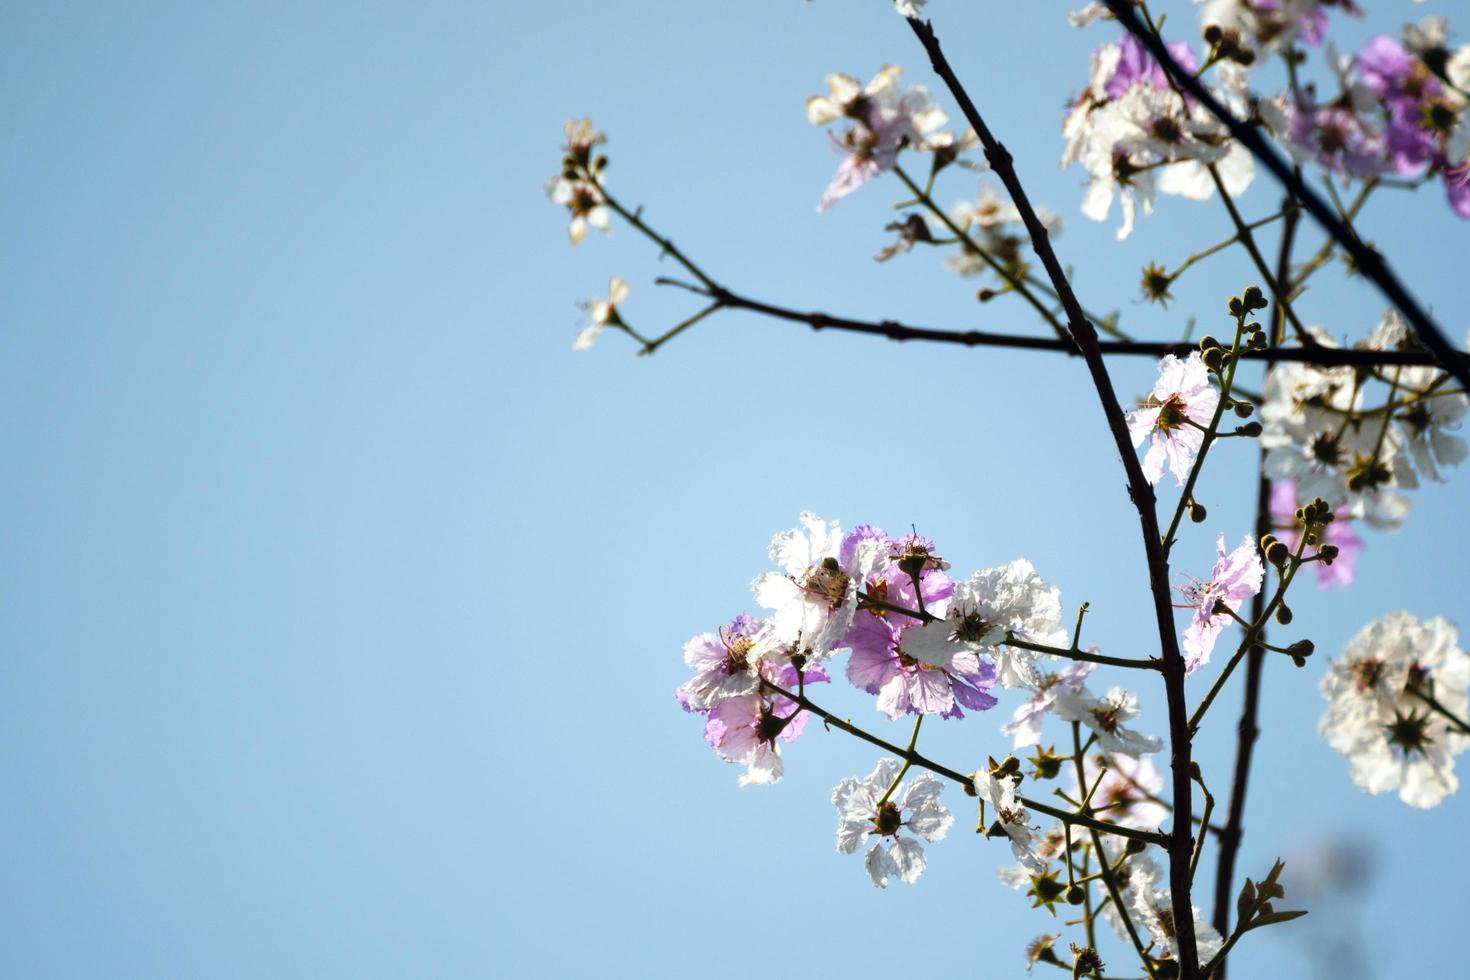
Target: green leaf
x,y
1271,918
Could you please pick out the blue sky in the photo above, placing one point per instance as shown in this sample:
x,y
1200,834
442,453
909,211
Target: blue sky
x,y
343,603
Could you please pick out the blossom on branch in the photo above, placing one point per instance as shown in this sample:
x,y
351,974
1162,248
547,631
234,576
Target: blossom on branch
x,y
867,809
1235,578
1393,698
1174,416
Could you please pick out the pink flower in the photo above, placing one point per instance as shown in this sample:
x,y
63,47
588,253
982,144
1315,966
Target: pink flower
x,y
1235,578
1182,395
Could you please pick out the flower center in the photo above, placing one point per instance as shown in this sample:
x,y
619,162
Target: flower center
x,y
828,581
1171,413
971,629
887,820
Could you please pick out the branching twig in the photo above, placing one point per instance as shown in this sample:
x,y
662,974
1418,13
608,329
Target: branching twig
x,y
1180,838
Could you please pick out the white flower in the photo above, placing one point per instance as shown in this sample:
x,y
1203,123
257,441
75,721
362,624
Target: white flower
x,y
863,812
814,600
1379,714
995,601
1025,724
1113,172
909,8
1154,908
1174,416
884,121
1105,717
1000,793
601,312
584,200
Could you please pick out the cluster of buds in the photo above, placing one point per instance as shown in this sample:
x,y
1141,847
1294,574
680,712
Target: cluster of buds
x,y
1226,45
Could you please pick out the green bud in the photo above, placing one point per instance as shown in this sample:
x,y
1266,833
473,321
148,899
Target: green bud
x,y
1197,512
1328,552
1250,430
1214,358
1283,614
1278,553
1252,299
1135,846
1075,894
1206,342
1243,410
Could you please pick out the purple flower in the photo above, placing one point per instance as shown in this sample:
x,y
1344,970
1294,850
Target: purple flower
x,y
1343,569
1136,65
745,729
1235,578
905,685
1384,65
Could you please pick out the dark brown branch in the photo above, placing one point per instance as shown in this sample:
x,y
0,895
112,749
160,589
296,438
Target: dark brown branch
x,y
1181,839
894,330
1248,730
1365,259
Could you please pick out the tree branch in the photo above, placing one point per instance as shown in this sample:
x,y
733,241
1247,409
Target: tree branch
x,y
1181,840
895,330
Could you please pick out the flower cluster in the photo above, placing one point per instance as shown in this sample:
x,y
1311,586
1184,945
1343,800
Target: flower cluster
x,y
1396,707
1326,438
579,185
1398,110
921,643
1135,135
881,120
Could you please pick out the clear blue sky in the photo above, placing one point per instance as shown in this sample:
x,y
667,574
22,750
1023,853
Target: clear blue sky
x,y
343,603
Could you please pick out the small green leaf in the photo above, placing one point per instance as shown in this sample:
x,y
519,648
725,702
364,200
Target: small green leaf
x,y
1271,918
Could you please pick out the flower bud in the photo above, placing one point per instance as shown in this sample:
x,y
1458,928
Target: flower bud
x,y
1250,430
1243,410
1135,846
986,295
1252,299
1075,894
1283,614
1197,512
1301,649
1166,969
1327,553
1213,34
1214,358
1278,553
1206,342
1235,306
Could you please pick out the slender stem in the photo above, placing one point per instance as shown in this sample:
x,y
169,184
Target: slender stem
x,y
898,331
1073,653
907,762
1011,280
649,346
1206,253
1459,723
1199,844
1180,837
914,758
